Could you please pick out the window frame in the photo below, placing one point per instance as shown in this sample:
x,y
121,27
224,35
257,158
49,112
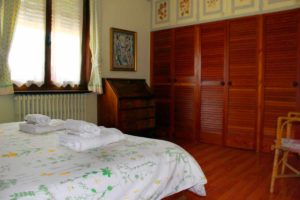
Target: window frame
x,y
48,86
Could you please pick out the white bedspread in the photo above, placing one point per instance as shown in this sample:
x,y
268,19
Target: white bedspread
x,y
36,167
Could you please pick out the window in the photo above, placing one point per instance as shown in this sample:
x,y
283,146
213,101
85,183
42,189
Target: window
x,y
49,47
27,53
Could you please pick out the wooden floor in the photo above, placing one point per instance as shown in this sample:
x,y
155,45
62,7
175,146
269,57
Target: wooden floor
x,y
235,174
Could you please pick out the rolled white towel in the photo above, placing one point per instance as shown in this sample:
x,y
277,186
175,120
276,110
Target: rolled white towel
x,y
78,143
79,126
54,125
37,119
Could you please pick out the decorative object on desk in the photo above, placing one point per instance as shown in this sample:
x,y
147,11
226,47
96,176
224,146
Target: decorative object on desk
x,y
123,50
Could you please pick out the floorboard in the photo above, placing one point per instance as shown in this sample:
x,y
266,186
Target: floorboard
x,y
235,174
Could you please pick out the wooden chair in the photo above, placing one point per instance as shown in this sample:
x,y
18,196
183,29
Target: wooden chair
x,y
285,144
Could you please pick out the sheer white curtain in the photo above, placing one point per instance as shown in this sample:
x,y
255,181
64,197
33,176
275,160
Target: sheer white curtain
x,y
95,83
27,54
8,15
66,34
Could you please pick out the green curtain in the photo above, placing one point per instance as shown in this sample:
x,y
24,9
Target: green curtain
x,y
8,16
95,83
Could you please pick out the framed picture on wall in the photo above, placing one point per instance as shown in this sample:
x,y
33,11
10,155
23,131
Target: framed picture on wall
x,y
123,50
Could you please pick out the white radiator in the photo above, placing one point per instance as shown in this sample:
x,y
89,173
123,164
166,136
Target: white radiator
x,y
56,106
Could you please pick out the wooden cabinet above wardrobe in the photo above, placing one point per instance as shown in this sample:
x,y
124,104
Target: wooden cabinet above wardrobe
x,y
228,81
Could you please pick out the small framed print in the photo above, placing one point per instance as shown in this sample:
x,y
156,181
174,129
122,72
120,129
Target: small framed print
x,y
162,11
123,50
244,6
212,9
184,9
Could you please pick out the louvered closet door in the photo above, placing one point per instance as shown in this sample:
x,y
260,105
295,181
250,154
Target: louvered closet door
x,y
161,56
162,95
184,112
184,83
184,55
161,79
212,42
281,68
242,83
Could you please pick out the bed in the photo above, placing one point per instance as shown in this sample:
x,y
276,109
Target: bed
x,y
37,167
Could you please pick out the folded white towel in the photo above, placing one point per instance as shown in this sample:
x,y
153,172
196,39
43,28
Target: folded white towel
x,y
37,119
77,143
54,125
78,126
82,134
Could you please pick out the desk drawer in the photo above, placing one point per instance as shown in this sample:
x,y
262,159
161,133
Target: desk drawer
x,y
137,114
135,103
137,125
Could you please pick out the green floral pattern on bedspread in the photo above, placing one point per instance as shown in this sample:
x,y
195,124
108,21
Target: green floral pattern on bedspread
x,y
36,167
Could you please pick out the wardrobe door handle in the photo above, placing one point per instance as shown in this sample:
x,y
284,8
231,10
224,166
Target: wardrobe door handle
x,y
295,84
229,83
222,83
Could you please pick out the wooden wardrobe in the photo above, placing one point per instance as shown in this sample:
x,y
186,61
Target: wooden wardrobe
x,y
227,82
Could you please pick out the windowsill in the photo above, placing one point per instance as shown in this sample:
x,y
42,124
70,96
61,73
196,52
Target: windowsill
x,y
51,91
33,89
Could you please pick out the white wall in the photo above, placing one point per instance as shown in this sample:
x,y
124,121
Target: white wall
x,y
91,108
133,15
7,108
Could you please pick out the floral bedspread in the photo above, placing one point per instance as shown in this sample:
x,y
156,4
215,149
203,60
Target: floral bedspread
x,y
36,167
